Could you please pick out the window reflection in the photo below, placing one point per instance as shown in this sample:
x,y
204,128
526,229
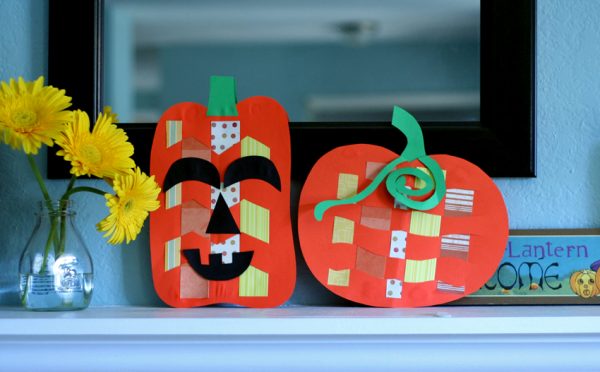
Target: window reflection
x,y
322,60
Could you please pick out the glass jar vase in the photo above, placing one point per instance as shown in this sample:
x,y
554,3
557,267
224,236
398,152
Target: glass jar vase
x,y
55,269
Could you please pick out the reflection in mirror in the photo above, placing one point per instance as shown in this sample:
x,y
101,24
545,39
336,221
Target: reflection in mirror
x,y
322,60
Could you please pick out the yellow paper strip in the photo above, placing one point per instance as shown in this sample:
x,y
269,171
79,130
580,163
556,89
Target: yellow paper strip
x,y
252,147
419,184
347,185
343,230
425,224
339,277
254,283
420,271
254,220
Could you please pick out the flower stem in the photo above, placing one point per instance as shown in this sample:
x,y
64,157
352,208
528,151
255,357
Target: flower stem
x,y
84,188
48,244
63,205
63,229
52,238
69,187
40,181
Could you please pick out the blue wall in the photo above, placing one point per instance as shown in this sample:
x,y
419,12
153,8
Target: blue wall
x,y
564,195
121,275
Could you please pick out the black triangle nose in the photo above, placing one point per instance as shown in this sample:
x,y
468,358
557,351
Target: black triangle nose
x,y
221,220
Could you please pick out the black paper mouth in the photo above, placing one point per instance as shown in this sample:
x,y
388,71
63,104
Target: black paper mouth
x,y
216,269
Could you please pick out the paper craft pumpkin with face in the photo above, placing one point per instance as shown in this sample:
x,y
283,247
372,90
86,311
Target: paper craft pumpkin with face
x,y
435,232
223,231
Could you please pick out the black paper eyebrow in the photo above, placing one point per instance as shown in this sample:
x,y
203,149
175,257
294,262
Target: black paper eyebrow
x,y
252,167
191,169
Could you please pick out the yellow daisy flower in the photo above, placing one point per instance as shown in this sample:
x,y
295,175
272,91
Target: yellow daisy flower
x,y
32,114
135,196
104,152
109,112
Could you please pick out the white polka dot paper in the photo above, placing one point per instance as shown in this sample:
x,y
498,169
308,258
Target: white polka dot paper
x,y
393,288
226,249
398,244
223,135
231,194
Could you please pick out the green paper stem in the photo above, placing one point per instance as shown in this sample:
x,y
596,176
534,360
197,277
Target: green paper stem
x,y
222,99
396,179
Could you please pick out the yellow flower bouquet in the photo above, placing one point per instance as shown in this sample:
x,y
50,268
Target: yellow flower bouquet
x,y
54,276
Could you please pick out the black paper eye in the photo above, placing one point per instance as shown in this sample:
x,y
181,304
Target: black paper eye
x,y
252,167
192,169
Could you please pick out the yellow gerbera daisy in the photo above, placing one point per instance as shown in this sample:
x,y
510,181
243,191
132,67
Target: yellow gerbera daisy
x,y
109,112
104,152
135,196
32,114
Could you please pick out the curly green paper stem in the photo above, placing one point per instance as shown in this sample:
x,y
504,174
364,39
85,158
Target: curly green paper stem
x,y
395,180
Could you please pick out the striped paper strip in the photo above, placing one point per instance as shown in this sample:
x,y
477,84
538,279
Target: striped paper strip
x,y
252,147
172,254
418,271
425,224
173,196
456,242
174,128
254,220
459,200
254,283
445,287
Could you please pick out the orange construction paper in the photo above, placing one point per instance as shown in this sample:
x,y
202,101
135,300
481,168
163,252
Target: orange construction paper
x,y
185,130
427,257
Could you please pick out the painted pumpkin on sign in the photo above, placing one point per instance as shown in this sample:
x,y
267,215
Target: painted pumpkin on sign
x,y
584,283
223,232
434,233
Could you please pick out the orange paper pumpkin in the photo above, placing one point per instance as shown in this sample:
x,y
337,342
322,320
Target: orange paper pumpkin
x,y
379,252
223,231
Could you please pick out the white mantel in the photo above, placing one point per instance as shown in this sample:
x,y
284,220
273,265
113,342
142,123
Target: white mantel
x,y
509,338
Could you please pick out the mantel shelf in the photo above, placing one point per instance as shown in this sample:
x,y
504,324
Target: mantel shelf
x,y
514,337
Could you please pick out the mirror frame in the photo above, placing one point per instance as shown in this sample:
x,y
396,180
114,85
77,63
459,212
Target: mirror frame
x,y
502,142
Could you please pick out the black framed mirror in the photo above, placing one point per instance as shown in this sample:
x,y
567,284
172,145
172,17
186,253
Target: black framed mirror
x,y
501,142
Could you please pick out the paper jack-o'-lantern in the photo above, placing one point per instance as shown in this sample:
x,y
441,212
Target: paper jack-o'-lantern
x,y
435,232
223,231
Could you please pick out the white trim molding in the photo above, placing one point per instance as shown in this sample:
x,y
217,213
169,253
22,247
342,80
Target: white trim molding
x,y
507,338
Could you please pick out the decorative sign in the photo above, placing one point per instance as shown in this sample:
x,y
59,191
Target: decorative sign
x,y
223,232
546,266
434,233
